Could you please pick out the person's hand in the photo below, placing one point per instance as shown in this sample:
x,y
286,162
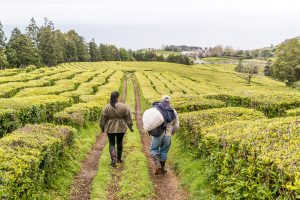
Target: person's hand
x,y
131,129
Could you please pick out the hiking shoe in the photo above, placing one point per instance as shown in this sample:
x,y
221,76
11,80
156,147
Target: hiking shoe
x,y
158,171
120,161
157,164
163,170
113,162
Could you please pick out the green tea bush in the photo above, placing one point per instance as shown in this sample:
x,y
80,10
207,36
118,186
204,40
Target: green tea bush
x,y
293,112
255,159
37,109
194,103
28,159
272,105
79,115
192,123
8,121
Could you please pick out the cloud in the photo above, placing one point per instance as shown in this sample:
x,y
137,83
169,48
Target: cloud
x,y
241,23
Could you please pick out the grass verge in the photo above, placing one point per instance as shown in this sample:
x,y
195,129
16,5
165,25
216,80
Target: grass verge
x,y
135,181
103,177
71,162
195,174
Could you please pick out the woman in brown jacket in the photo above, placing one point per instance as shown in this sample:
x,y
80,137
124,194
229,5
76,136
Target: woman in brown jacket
x,y
115,119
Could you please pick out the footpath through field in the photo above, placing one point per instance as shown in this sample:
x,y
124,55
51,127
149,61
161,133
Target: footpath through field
x,y
135,178
167,187
82,185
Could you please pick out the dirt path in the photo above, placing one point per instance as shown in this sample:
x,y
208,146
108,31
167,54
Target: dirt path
x,y
167,187
82,185
114,188
81,189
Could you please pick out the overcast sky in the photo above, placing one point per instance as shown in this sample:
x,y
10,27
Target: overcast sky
x,y
243,24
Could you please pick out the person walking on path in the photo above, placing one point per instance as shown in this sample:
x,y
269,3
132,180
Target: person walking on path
x,y
115,119
160,145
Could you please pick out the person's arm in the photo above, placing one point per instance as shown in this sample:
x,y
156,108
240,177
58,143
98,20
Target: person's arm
x,y
129,120
175,123
103,119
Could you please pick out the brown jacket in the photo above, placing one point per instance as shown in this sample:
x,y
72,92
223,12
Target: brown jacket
x,y
115,120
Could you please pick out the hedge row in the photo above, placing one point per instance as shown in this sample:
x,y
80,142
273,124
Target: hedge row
x,y
271,105
90,87
256,159
20,111
28,159
194,103
70,83
192,123
79,115
293,112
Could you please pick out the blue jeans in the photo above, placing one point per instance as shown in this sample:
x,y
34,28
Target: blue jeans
x,y
160,146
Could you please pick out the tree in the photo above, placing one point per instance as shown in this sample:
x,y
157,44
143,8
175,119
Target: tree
x,y
124,55
71,51
21,51
3,58
94,51
267,68
239,67
81,47
251,69
47,46
109,52
286,66
32,31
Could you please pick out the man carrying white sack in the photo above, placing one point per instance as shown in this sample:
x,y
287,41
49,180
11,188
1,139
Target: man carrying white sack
x,y
160,145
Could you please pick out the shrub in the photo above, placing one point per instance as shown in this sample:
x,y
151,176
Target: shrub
x,y
79,115
20,111
192,123
194,103
29,157
255,159
272,105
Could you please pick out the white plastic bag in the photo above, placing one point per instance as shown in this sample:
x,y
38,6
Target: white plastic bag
x,y
152,119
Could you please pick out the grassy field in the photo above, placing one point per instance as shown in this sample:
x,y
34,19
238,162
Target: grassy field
x,y
238,135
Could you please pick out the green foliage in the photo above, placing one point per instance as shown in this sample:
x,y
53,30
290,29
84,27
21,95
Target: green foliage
x,y
255,159
20,111
181,59
29,158
21,51
196,175
271,105
192,123
194,103
94,51
79,115
286,67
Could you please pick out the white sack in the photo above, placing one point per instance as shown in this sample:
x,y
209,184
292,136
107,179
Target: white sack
x,y
152,119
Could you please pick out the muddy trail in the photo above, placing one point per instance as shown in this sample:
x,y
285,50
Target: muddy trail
x,y
82,184
167,186
114,188
81,189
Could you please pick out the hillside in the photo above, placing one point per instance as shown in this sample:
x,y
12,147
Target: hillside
x,y
243,138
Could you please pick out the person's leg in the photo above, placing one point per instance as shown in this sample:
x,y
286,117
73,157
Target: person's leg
x,y
120,137
112,150
155,152
165,147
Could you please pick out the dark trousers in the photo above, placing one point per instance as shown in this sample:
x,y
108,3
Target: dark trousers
x,y
112,143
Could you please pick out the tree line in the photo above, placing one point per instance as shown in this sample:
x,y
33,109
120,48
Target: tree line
x,y
221,51
46,45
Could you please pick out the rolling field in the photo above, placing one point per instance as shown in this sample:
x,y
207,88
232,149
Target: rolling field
x,y
244,139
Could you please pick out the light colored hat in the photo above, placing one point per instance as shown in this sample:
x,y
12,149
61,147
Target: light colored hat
x,y
166,98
